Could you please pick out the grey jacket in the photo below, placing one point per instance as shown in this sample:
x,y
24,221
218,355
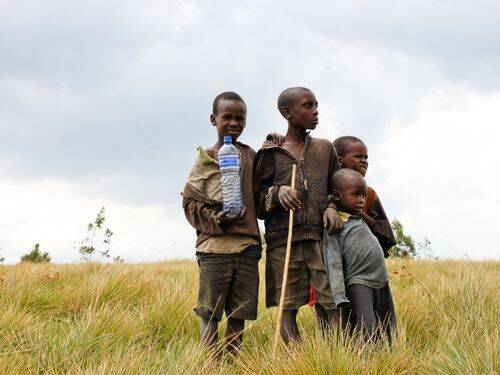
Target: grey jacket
x,y
353,256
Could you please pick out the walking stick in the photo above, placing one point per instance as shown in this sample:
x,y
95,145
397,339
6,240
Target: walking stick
x,y
285,270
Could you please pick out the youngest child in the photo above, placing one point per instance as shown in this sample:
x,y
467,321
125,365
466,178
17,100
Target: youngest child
x,y
355,261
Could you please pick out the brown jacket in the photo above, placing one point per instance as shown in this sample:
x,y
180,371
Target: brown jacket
x,y
382,228
273,168
199,207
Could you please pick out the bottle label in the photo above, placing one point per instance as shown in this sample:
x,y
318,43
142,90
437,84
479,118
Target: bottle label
x,y
229,161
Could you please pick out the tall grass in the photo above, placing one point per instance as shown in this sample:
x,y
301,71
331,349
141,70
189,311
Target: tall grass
x,y
129,319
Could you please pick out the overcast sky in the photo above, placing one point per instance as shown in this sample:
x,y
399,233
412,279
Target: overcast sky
x,y
104,103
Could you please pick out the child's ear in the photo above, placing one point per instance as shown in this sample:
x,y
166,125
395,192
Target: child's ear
x,y
212,120
336,195
285,111
341,162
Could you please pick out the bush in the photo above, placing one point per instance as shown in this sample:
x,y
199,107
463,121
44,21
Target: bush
x,y
36,256
97,239
405,246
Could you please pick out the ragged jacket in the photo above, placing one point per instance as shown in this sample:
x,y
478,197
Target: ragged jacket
x,y
202,198
273,168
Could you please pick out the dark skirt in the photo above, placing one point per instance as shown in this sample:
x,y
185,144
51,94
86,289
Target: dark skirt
x,y
371,311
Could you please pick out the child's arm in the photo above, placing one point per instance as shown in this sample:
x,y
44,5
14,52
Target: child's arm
x,y
370,221
332,253
269,195
201,216
266,193
376,219
331,219
207,218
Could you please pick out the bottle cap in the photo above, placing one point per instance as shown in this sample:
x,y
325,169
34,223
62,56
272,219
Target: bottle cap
x,y
228,139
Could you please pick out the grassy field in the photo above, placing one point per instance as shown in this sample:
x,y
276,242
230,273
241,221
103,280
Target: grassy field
x,y
128,319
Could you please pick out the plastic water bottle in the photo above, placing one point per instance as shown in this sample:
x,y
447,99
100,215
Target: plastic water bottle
x,y
229,162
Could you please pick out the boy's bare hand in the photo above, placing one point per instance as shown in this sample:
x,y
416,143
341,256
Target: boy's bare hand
x,y
276,138
222,217
288,197
332,221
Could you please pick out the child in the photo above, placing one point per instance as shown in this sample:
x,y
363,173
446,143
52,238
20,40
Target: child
x,y
316,161
355,261
227,248
353,154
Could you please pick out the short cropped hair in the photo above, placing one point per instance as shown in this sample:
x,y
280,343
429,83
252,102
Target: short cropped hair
x,y
287,96
341,177
341,144
227,95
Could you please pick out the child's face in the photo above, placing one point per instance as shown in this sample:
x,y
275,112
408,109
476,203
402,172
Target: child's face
x,y
303,113
351,198
355,157
230,118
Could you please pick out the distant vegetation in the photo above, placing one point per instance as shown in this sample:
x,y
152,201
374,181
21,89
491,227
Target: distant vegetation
x,y
36,256
96,239
405,246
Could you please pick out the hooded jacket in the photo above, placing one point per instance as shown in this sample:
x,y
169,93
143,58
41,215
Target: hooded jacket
x,y
202,197
273,168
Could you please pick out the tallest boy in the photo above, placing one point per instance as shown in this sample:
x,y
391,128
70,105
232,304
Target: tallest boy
x,y
316,161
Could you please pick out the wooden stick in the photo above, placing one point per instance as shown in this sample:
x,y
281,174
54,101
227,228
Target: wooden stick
x,y
285,270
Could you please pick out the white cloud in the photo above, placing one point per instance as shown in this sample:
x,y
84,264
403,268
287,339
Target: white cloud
x,y
439,173
24,104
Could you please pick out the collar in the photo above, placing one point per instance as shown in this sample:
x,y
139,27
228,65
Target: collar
x,y
344,216
268,144
205,159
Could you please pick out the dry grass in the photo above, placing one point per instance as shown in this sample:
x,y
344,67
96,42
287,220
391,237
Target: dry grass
x,y
129,319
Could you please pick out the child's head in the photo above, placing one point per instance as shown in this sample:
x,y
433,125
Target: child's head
x,y
229,114
352,153
299,107
349,191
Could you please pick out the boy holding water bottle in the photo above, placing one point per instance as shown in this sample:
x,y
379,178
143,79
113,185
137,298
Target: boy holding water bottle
x,y
228,245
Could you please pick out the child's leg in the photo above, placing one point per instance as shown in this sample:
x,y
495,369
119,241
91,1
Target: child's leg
x,y
337,319
362,310
384,309
242,298
297,290
216,272
289,329
325,308
328,319
208,331
321,313
234,334
322,317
